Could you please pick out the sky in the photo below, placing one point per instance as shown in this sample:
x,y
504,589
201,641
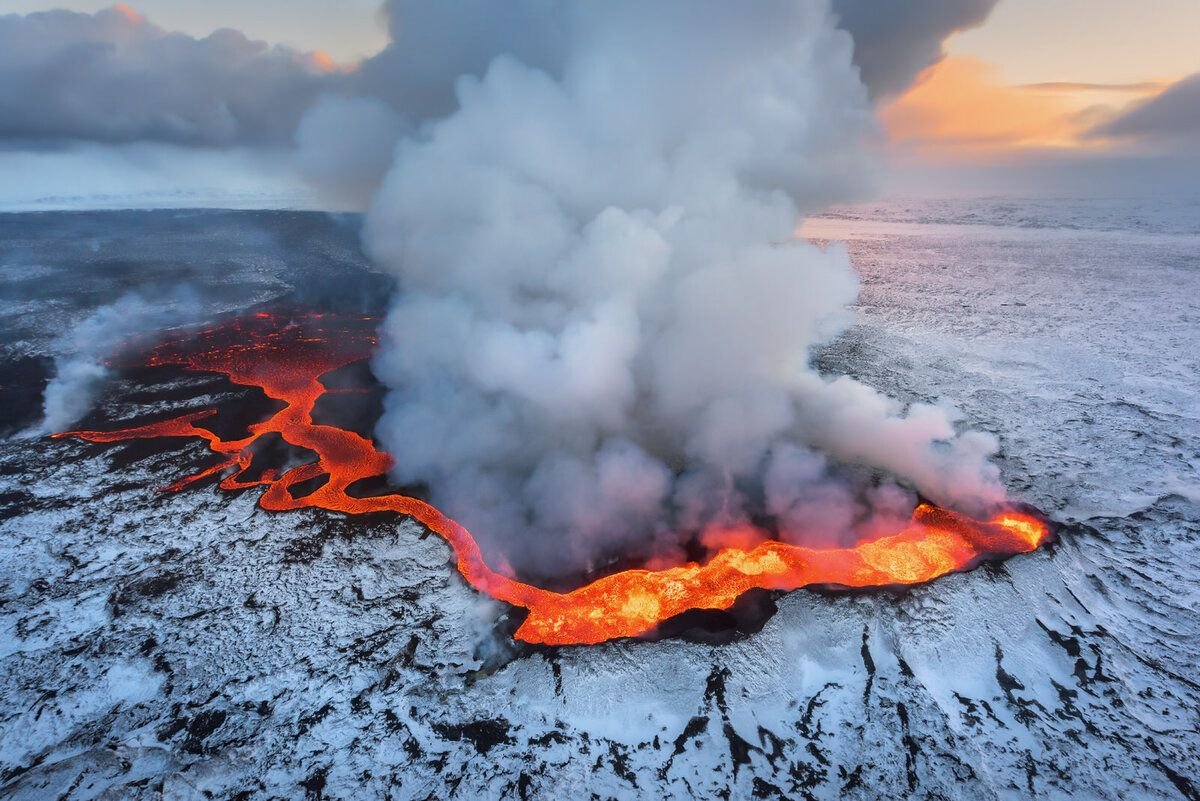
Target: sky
x,y
1027,98
1099,41
1037,84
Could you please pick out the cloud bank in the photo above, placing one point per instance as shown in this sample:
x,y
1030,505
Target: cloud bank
x,y
1172,117
115,77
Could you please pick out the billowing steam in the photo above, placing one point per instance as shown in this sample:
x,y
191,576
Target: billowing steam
x,y
80,368
344,145
603,330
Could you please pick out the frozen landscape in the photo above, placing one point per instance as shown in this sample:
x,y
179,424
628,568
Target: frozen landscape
x,y
193,645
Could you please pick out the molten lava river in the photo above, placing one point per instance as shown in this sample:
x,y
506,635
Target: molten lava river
x,y
286,358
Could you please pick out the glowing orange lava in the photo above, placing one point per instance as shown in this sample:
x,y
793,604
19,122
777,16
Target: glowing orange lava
x,y
287,362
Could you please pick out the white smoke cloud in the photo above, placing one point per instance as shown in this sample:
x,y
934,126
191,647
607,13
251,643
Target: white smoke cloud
x,y
344,145
603,330
80,369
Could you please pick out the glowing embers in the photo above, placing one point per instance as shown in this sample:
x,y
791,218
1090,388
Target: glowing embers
x,y
286,356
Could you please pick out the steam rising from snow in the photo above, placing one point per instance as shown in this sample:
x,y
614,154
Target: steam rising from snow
x,y
80,369
603,330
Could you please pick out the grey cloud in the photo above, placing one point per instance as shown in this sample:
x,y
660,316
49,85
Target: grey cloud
x,y
435,43
1171,117
893,41
115,77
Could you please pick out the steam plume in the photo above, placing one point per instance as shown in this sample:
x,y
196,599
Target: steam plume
x,y
603,332
80,369
344,145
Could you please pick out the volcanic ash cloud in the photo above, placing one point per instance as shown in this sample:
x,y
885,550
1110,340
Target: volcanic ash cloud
x,y
602,334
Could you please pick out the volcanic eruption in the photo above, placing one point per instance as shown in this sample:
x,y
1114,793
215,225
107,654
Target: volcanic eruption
x,y
286,357
598,353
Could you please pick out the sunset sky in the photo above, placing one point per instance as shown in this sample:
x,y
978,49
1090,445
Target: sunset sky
x,y
1042,75
1087,91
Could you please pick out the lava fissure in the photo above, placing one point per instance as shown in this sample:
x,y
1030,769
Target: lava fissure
x,y
287,362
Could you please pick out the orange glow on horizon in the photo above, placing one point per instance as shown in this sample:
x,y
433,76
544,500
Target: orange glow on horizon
x,y
961,106
961,109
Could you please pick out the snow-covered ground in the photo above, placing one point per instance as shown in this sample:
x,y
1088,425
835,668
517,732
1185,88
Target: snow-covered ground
x,y
195,646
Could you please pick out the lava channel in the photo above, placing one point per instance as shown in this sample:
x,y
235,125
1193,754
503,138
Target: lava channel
x,y
286,359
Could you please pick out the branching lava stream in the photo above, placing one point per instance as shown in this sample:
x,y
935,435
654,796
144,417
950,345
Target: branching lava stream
x,y
287,360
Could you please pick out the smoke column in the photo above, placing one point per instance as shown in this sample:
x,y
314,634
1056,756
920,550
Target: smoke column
x,y
79,365
601,339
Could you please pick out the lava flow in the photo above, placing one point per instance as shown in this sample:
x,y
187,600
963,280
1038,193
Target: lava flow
x,y
287,362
